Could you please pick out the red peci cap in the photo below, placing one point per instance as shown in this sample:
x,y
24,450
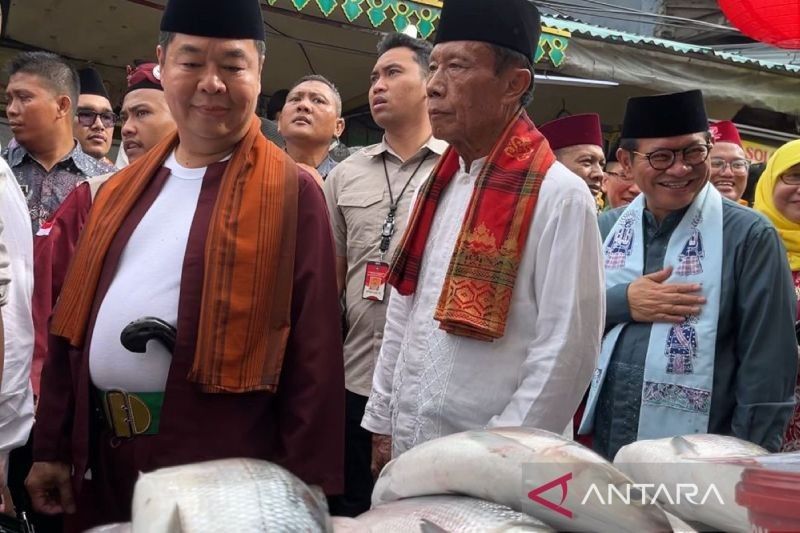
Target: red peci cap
x,y
144,76
725,131
573,130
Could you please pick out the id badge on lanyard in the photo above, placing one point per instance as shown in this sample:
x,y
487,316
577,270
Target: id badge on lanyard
x,y
375,281
378,271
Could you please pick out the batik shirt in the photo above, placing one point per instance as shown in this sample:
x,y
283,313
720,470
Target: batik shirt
x,y
326,166
45,190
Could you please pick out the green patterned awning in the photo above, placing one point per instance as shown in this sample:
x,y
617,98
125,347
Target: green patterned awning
x,y
396,15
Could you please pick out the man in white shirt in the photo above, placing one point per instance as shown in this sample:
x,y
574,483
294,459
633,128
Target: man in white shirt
x,y
496,311
16,288
5,275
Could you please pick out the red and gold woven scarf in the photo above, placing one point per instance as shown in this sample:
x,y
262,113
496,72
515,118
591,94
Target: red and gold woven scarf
x,y
477,290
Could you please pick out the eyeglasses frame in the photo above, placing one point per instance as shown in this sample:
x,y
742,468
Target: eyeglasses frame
x,y
648,155
95,116
727,164
790,174
622,177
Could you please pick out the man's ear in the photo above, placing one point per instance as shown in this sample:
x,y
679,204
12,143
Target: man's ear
x,y
625,159
519,79
64,103
339,129
160,56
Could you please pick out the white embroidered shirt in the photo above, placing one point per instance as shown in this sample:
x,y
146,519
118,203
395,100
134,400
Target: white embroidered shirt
x,y
429,383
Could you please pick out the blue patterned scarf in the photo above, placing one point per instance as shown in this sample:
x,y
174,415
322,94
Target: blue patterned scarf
x,y
679,369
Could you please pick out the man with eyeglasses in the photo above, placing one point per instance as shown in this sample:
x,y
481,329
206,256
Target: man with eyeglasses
x,y
42,93
94,119
729,165
620,188
700,304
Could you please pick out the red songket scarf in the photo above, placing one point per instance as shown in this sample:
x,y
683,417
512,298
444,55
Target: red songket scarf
x,y
477,290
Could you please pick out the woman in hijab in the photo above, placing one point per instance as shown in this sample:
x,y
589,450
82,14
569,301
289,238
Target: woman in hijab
x,y
778,197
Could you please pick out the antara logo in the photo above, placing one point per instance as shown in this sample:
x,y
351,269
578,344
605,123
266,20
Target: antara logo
x,y
628,493
534,495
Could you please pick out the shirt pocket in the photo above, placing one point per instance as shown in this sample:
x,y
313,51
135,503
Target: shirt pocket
x,y
363,216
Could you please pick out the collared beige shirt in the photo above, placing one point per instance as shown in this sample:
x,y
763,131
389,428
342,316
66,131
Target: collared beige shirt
x,y
358,200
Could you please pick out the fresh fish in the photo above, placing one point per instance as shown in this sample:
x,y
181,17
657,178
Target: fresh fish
x,y
343,524
699,446
711,464
111,528
491,464
429,514
226,495
678,525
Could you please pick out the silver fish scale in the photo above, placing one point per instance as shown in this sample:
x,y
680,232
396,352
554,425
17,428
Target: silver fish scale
x,y
477,514
239,495
459,514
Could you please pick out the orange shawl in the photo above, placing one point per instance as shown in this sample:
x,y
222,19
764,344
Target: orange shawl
x,y
245,315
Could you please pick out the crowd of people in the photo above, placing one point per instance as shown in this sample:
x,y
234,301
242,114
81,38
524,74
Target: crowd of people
x,y
214,294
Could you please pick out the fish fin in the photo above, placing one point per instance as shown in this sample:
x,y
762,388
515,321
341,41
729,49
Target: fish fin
x,y
175,524
683,447
387,469
318,494
317,505
426,526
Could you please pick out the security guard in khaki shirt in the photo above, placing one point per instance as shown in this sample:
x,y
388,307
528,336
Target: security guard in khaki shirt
x,y
369,197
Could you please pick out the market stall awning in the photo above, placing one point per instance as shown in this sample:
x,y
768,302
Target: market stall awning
x,y
663,66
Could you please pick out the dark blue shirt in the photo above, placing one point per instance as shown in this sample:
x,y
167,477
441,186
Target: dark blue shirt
x,y
756,348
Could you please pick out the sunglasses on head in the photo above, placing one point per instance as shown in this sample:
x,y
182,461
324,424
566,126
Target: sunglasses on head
x,y
87,117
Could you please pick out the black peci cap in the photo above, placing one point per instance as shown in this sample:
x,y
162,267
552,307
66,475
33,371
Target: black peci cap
x,y
513,24
92,82
665,115
231,19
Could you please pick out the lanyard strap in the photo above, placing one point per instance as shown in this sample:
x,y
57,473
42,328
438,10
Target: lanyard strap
x,y
388,225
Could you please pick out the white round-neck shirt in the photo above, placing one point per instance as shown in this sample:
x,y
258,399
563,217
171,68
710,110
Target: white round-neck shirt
x,y
147,283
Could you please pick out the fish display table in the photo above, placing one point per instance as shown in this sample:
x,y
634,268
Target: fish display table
x,y
503,479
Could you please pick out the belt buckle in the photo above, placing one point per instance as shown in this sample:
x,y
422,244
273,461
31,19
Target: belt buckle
x,y
124,410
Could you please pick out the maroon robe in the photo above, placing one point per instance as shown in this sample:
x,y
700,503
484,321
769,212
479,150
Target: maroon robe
x,y
52,253
300,427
